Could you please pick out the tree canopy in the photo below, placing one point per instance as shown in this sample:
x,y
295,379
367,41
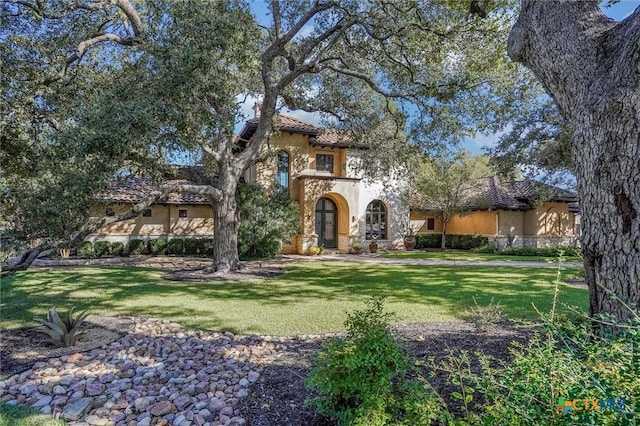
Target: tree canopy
x,y
100,89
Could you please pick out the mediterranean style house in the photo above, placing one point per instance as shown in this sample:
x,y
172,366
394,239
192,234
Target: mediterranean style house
x,y
511,213
339,207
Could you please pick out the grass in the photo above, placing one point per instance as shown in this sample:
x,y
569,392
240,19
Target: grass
x,y
309,298
478,257
20,415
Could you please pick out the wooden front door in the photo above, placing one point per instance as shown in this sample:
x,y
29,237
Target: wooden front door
x,y
327,223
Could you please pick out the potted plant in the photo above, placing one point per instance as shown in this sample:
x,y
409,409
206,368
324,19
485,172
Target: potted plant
x,y
357,248
314,250
409,239
373,245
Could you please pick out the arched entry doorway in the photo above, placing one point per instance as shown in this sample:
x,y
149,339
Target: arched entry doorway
x,y
327,223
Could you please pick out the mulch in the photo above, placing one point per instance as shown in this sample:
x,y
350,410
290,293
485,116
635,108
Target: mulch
x,y
278,398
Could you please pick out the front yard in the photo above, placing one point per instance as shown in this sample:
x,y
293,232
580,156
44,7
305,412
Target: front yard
x,y
309,298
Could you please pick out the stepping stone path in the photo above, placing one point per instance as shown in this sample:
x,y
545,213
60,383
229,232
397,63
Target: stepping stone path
x,y
158,374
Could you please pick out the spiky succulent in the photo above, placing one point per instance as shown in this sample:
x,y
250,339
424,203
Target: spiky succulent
x,y
63,331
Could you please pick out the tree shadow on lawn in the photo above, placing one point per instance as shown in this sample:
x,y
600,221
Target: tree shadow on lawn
x,y
141,291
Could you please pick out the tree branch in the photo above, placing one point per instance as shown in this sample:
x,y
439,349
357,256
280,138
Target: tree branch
x,y
29,256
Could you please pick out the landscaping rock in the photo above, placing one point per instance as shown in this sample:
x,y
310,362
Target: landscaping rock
x,y
76,410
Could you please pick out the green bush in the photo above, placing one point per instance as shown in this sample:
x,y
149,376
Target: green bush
x,y
136,247
265,221
102,248
454,241
85,249
175,247
117,248
364,379
158,246
195,247
485,249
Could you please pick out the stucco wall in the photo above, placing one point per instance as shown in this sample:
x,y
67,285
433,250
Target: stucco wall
x,y
164,222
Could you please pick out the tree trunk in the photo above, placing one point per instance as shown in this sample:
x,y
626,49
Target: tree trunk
x,y
443,242
226,226
589,64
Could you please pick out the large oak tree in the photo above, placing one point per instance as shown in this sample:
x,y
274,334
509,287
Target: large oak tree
x,y
167,77
589,64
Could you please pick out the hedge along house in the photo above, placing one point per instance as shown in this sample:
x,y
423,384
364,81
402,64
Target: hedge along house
x,y
509,213
173,216
318,168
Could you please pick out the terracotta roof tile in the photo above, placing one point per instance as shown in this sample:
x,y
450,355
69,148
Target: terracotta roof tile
x,y
135,189
493,193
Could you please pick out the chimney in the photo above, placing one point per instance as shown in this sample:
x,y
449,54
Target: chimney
x,y
256,109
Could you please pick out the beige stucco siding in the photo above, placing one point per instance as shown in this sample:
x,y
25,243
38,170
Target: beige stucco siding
x,y
510,221
477,222
164,221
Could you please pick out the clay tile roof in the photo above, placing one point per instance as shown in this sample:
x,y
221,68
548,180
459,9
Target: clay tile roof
x,y
492,193
284,123
135,189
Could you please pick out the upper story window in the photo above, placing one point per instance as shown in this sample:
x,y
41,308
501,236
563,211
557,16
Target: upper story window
x,y
182,213
282,177
109,212
376,220
146,213
431,224
324,163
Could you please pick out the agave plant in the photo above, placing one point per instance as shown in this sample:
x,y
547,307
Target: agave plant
x,y
63,331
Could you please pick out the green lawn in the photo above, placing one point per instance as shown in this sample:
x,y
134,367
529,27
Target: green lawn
x,y
20,415
467,255
309,298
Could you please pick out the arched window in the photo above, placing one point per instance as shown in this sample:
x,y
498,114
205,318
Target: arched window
x,y
376,220
282,177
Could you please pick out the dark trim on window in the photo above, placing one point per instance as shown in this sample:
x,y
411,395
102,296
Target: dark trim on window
x,y
376,220
182,213
283,167
324,162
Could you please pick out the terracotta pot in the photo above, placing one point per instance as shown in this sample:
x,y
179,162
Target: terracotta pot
x,y
373,247
409,242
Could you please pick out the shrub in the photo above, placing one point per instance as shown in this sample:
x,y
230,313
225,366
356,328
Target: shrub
x,y
568,360
198,246
63,331
175,247
484,317
364,379
85,249
265,221
158,246
117,248
485,249
424,241
102,248
453,241
136,247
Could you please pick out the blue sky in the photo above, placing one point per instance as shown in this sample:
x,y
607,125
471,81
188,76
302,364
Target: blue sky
x,y
617,11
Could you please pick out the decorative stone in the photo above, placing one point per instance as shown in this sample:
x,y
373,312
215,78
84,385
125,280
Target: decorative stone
x,y
182,402
45,400
75,410
141,404
253,376
94,389
161,408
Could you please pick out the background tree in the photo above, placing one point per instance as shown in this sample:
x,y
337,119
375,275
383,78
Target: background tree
x,y
167,77
588,64
266,221
445,184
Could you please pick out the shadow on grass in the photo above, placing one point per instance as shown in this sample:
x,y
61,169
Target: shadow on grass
x,y
137,291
